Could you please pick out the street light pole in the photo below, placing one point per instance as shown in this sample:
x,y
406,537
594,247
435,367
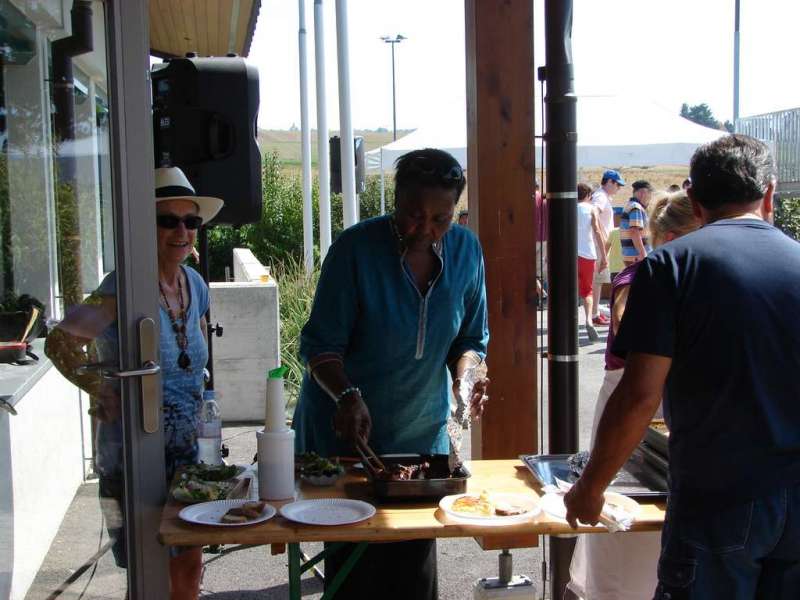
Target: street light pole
x,y
393,40
735,63
394,104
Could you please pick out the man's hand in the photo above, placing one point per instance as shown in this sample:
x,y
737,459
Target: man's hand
x,y
583,504
352,421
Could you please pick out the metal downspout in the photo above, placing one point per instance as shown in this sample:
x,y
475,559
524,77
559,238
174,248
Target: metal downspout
x,y
561,139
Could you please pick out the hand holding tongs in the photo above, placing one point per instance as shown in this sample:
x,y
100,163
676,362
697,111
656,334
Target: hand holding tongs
x,y
369,458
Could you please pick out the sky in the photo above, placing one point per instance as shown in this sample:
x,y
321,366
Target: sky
x,y
672,52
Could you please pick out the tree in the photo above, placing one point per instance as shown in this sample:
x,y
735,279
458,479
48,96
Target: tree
x,y
700,114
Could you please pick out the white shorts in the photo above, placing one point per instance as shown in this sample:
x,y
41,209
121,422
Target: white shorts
x,y
541,260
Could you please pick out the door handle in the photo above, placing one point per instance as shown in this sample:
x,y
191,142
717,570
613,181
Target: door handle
x,y
149,367
148,355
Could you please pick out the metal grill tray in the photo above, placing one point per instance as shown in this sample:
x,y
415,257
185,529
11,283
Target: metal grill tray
x,y
438,485
637,479
657,440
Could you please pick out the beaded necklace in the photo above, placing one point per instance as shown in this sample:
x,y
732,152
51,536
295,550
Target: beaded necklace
x,y
179,328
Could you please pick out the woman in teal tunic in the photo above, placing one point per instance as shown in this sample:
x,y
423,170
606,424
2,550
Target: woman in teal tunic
x,y
400,301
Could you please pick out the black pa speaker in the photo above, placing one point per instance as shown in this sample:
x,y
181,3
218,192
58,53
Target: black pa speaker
x,y
204,121
361,165
336,165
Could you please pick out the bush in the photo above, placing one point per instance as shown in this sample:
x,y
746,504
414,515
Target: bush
x,y
787,216
296,297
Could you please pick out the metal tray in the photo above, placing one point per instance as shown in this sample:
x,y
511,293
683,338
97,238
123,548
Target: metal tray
x,y
656,459
637,480
438,485
657,441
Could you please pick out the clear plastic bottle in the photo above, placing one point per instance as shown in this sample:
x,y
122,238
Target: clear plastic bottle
x,y
209,431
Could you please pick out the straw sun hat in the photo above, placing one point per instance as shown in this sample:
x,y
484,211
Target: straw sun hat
x,y
172,184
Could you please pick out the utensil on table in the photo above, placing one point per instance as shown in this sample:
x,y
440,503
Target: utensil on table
x,y
369,458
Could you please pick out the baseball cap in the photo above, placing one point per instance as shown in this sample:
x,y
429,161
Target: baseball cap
x,y
613,176
642,184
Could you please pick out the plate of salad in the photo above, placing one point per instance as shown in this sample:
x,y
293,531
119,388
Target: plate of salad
x,y
205,483
318,470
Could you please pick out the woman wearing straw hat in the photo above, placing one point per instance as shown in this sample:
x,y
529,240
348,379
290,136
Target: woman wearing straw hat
x,y
183,300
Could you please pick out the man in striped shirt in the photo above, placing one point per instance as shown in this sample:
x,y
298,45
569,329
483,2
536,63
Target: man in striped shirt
x,y
633,225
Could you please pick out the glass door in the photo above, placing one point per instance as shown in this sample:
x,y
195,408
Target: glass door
x,y
82,479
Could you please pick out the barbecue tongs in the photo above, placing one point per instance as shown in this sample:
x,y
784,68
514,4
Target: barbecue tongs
x,y
370,459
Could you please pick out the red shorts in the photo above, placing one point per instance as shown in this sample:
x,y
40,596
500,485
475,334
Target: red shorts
x,y
585,276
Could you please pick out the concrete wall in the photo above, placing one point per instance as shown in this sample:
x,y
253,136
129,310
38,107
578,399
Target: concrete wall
x,y
250,345
42,462
246,267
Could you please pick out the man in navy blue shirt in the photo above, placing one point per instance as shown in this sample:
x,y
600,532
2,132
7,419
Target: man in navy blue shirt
x,y
712,324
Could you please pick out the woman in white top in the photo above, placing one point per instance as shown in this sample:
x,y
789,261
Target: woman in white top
x,y
591,245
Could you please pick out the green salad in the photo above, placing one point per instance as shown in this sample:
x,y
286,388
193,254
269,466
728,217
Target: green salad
x,y
191,491
204,472
311,464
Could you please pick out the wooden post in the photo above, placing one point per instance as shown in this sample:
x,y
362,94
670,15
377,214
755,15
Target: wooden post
x,y
500,156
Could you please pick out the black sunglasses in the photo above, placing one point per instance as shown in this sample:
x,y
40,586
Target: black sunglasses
x,y
423,165
171,221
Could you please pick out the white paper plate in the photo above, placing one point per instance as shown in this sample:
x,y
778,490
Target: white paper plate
x,y
528,502
553,504
210,513
328,511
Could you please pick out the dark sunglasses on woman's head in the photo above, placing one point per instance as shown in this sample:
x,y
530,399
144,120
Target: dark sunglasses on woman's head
x,y
172,221
423,165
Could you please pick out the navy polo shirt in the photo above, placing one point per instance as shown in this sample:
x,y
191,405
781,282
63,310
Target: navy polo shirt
x,y
724,303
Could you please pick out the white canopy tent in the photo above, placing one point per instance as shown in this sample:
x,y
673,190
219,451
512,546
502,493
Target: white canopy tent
x,y
613,131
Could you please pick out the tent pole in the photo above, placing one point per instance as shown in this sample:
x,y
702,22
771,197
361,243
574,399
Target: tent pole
x,y
324,176
383,187
561,138
308,219
345,118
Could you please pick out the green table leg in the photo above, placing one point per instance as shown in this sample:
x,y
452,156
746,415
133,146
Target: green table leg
x,y
344,571
294,572
296,568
